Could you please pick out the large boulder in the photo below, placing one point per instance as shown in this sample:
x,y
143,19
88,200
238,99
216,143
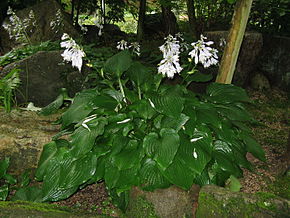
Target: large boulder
x,y
219,202
45,12
274,62
247,61
171,202
43,75
22,137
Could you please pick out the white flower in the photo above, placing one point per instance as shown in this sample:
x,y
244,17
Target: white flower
x,y
170,66
122,45
170,63
135,48
204,54
73,52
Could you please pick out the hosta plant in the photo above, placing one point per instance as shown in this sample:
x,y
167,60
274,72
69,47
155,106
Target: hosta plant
x,y
133,130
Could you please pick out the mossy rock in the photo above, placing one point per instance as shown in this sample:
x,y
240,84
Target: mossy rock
x,y
171,202
222,203
25,209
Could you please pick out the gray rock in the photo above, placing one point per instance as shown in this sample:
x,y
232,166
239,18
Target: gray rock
x,y
25,209
249,53
219,202
172,202
43,75
275,61
45,12
260,82
22,137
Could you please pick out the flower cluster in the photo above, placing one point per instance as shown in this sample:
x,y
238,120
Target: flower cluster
x,y
73,52
170,63
100,26
135,46
17,27
203,53
58,22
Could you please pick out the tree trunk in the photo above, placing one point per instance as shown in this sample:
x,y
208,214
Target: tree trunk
x,y
191,18
169,21
141,20
72,10
78,12
235,39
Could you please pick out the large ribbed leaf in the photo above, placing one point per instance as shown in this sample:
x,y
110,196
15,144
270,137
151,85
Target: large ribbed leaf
x,y
111,175
76,172
104,101
174,123
194,154
127,179
48,155
179,174
81,107
253,146
151,177
30,193
150,143
138,73
168,104
233,112
84,139
4,190
226,93
143,108
225,159
168,147
128,158
208,116
119,63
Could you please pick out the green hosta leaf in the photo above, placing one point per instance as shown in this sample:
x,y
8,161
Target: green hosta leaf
x,y
170,105
28,194
174,123
76,172
4,190
4,164
128,158
111,176
138,73
53,106
150,143
234,184
117,95
25,179
225,159
81,107
119,143
179,174
202,179
119,63
127,179
10,179
208,116
167,149
253,147
143,108
198,77
47,157
104,101
233,112
151,177
194,154
226,93
84,139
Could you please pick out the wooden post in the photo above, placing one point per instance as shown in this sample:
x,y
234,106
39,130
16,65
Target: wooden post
x,y
235,39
